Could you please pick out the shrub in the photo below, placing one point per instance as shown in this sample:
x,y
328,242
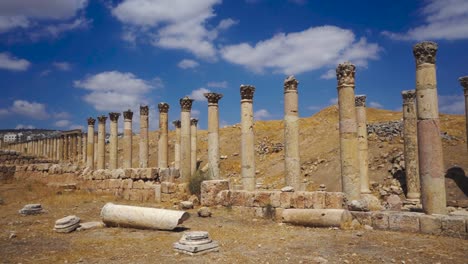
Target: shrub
x,y
195,182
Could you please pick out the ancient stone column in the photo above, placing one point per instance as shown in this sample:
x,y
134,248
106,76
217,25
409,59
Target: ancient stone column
x,y
54,152
213,133
431,163
90,144
350,179
84,152
96,147
79,147
185,152
61,147
247,138
464,84
144,136
127,139
66,147
292,164
177,144
57,148
113,141
72,147
361,117
410,137
193,145
163,135
101,142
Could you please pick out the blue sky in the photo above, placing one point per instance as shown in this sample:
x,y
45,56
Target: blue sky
x,y
62,61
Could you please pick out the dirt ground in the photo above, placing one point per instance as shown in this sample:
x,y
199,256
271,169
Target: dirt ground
x,y
242,240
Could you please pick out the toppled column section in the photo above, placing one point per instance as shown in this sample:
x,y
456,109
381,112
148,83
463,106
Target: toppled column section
x,y
292,164
411,145
247,138
431,163
361,116
317,217
142,217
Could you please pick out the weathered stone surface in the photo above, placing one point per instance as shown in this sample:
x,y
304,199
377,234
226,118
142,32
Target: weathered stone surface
x,y
380,220
394,202
334,200
196,242
364,218
204,212
287,189
31,209
185,205
67,224
317,217
210,189
430,224
168,187
454,226
406,222
90,225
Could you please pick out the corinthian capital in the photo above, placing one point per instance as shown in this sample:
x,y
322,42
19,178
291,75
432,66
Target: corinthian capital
x,y
91,121
144,110
360,100
409,96
345,74
102,119
290,83
193,122
247,91
213,98
128,115
176,123
163,107
464,83
186,104
425,52
114,117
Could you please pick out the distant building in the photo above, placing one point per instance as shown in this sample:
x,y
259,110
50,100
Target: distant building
x,y
9,137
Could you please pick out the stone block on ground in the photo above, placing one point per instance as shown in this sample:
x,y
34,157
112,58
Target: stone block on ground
x,y
210,189
334,200
405,222
67,224
168,187
380,220
454,226
90,225
196,243
364,218
430,224
204,212
31,209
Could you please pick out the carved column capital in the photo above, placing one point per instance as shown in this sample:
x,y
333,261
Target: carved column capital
x,y
193,121
360,101
409,96
247,92
114,117
464,83
128,115
213,98
102,119
186,104
290,83
91,121
425,52
163,107
144,109
176,123
345,74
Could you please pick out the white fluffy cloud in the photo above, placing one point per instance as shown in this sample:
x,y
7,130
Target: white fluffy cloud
x,y
262,114
8,62
62,123
115,91
311,49
30,109
27,14
187,64
451,104
198,94
446,19
172,24
223,84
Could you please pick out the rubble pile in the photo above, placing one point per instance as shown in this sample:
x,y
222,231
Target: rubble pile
x,y
267,146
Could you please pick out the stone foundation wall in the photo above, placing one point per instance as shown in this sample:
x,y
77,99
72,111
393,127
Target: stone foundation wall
x,y
11,157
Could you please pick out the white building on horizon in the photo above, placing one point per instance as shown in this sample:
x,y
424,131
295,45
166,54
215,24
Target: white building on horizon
x,y
9,137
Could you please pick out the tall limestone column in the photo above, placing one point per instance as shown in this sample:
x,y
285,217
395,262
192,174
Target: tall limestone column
x,y
193,145
185,152
464,84
79,146
213,133
84,152
292,163
54,152
144,136
113,141
176,124
66,143
90,144
350,179
96,147
60,147
431,163
163,135
247,138
101,142
361,116
411,145
127,139
72,147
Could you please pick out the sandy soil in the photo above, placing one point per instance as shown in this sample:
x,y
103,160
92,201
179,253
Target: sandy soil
x,y
242,240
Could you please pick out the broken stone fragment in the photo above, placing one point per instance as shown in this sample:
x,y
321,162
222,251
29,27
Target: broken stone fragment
x,y
204,212
67,224
31,209
196,243
287,189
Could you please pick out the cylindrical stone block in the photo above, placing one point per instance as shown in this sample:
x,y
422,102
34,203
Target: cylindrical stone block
x,y
193,145
177,144
66,143
79,146
247,138
185,144
292,164
113,141
84,150
90,144
213,134
350,178
410,138
163,135
317,217
361,116
101,142
431,164
127,139
143,158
